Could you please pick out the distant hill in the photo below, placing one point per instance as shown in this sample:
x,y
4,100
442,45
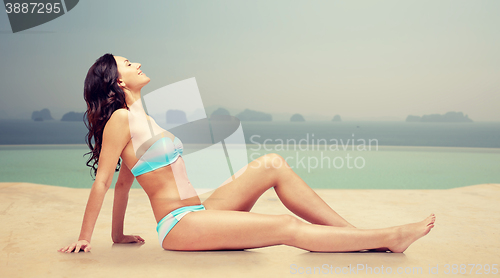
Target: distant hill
x,y
251,115
73,117
297,118
450,117
220,112
336,118
42,115
176,116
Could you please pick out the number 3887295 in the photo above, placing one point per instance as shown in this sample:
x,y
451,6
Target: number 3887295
x,y
39,8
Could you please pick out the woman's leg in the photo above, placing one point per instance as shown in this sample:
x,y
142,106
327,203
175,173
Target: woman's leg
x,y
268,171
216,230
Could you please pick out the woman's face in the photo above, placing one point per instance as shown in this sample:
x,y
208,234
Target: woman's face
x,y
130,74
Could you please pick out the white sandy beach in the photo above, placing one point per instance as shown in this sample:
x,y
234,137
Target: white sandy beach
x,y
39,219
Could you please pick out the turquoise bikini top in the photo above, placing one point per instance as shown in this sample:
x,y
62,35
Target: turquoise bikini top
x,y
162,153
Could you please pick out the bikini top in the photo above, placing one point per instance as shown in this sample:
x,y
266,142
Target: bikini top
x,y
162,153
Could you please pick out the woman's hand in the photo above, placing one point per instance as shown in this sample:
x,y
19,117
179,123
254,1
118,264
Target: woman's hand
x,y
77,246
129,239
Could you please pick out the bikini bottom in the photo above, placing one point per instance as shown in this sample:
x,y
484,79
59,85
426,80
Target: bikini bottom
x,y
170,220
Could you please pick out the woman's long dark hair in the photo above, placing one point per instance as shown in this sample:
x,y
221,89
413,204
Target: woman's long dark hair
x,y
103,97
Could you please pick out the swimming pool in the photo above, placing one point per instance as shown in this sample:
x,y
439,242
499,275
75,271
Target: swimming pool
x,y
389,167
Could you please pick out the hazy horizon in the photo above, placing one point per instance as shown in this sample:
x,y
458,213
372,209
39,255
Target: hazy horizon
x,y
363,60
276,116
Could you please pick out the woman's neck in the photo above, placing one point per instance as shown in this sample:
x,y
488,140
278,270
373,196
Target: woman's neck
x,y
131,97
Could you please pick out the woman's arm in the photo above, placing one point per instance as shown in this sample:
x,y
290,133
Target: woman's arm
x,y
122,189
116,135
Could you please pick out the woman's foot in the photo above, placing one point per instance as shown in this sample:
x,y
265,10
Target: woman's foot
x,y
407,234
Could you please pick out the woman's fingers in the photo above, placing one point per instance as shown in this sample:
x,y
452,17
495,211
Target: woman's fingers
x,y
132,239
77,246
65,249
83,247
70,249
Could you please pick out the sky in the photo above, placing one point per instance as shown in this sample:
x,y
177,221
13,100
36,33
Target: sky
x,y
363,60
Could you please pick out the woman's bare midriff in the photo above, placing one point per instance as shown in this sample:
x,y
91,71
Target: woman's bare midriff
x,y
160,186
162,191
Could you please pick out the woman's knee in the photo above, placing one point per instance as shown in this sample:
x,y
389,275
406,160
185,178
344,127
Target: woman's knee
x,y
291,226
273,161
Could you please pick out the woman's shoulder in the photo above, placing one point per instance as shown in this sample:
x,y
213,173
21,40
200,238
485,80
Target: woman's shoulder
x,y
119,118
120,114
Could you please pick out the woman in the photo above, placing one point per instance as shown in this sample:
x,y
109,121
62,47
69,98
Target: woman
x,y
223,221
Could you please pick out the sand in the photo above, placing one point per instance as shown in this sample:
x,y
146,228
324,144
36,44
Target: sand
x,y
39,219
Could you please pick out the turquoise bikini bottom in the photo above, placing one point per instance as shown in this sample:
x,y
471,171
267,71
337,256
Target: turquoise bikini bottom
x,y
168,222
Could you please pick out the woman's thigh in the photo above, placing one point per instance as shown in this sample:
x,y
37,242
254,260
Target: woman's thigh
x,y
242,193
219,229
